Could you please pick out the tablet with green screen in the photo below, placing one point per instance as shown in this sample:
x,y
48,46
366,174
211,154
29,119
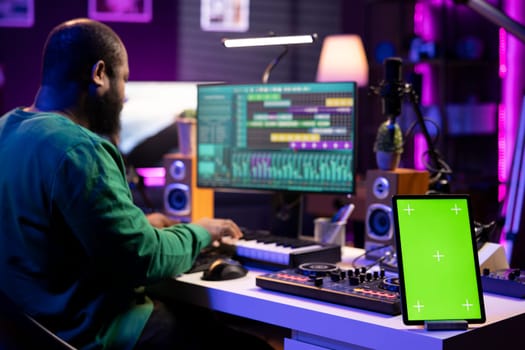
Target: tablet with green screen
x,y
437,259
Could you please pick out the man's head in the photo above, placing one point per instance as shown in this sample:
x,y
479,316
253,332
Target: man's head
x,y
88,58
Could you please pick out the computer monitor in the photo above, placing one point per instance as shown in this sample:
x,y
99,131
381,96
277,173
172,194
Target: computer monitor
x,y
293,137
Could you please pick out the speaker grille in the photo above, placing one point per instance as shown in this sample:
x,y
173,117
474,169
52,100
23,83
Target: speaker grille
x,y
379,222
177,199
183,200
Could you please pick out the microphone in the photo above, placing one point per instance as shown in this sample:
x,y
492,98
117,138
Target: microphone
x,y
388,144
392,88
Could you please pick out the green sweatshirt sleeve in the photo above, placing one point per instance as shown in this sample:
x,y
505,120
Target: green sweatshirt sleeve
x,y
121,244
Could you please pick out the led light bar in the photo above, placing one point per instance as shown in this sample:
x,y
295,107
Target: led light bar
x,y
270,41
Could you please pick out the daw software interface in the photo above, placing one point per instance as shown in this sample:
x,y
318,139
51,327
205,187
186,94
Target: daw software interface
x,y
296,137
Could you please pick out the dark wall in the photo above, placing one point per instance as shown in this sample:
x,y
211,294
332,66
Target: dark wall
x,y
203,57
173,47
151,47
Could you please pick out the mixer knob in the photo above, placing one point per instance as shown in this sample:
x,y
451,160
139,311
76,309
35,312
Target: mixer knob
x,y
335,276
486,272
354,280
376,275
382,273
318,281
368,276
511,276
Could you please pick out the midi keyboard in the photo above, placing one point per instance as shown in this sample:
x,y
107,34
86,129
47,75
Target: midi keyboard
x,y
265,250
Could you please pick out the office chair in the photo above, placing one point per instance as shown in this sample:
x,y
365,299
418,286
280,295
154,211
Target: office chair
x,y
20,331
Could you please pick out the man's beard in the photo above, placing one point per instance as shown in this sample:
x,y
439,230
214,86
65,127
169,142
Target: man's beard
x,y
104,115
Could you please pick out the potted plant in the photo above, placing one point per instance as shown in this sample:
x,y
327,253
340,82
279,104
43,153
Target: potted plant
x,y
388,145
186,128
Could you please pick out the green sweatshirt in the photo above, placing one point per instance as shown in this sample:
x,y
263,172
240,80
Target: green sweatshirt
x,y
74,248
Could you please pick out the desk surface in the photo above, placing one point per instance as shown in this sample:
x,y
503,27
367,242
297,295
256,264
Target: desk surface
x,y
322,323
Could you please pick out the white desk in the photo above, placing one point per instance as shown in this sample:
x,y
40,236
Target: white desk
x,y
321,325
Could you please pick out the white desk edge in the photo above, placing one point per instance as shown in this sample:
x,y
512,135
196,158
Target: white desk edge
x,y
341,326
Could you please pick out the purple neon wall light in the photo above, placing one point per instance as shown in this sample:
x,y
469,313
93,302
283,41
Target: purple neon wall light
x,y
511,72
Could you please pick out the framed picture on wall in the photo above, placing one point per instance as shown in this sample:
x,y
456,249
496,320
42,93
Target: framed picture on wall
x,y
120,10
225,15
17,13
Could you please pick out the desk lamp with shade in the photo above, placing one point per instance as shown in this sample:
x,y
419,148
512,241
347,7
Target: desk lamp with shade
x,y
343,58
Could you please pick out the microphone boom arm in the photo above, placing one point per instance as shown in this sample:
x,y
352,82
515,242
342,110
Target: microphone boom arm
x,y
495,16
438,167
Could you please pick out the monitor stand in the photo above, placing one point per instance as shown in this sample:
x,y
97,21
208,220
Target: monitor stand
x,y
451,325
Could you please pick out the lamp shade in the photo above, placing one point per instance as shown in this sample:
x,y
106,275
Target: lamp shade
x,y
343,58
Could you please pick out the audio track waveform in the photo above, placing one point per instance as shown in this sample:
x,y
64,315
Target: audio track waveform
x,y
292,167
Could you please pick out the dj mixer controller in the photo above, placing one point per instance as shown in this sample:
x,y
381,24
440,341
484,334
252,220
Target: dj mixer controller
x,y
357,288
509,282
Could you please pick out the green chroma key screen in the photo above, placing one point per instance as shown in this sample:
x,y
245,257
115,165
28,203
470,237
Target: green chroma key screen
x,y
437,259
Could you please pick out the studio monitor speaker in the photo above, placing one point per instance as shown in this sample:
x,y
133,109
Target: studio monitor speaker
x,y
183,200
381,185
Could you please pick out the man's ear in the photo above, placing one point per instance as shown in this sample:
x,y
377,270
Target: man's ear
x,y
98,73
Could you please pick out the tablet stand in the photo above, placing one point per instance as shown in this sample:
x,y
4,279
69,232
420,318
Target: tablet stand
x,y
452,325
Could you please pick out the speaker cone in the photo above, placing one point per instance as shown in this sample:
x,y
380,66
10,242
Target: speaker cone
x,y
379,221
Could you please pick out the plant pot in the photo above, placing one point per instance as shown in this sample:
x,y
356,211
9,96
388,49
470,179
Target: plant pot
x,y
187,131
387,160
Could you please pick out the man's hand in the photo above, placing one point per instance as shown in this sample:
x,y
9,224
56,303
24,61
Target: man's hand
x,y
219,228
160,220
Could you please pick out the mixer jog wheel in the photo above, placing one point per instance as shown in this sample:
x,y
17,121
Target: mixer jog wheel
x,y
317,269
391,284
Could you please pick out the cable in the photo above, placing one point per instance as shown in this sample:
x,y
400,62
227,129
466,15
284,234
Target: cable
x,y
377,261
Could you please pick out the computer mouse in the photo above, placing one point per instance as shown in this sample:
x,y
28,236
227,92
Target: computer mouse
x,y
224,269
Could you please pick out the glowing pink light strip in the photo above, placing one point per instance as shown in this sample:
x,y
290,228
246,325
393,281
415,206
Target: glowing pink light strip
x,y
420,147
502,53
418,18
511,70
502,150
424,25
153,177
502,132
426,29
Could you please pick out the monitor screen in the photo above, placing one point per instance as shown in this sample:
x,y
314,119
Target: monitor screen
x,y
297,137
